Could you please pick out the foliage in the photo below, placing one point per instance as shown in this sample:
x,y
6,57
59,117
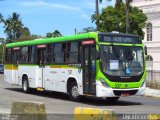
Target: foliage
x,y
1,53
2,41
56,33
87,29
118,5
112,20
13,26
34,36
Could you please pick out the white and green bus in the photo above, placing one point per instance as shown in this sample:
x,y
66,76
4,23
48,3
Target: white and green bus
x,y
108,65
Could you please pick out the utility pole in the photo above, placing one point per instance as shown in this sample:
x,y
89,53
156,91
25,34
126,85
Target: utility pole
x,y
75,31
97,10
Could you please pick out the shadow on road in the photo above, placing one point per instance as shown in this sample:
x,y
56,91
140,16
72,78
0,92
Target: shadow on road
x,y
86,100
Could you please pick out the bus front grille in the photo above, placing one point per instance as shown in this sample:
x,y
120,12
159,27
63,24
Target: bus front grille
x,y
121,92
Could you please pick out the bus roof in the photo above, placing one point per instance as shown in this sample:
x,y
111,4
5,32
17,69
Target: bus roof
x,y
52,40
64,39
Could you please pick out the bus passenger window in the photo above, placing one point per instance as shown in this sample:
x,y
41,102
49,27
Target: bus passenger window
x,y
59,56
8,57
49,54
24,55
73,55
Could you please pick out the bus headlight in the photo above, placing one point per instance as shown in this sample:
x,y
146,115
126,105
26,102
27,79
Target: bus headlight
x,y
104,83
143,84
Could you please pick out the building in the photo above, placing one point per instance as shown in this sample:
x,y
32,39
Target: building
x,y
152,31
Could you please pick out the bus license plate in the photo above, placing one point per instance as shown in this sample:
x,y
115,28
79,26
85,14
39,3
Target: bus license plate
x,y
125,94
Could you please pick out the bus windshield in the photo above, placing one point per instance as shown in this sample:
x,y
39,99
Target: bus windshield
x,y
121,60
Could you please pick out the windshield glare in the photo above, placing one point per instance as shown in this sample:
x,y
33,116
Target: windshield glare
x,y
121,60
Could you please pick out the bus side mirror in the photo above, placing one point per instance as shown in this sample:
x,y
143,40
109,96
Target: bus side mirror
x,y
97,55
146,57
145,50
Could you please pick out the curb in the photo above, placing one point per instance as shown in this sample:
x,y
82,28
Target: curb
x,y
152,92
3,110
82,113
24,110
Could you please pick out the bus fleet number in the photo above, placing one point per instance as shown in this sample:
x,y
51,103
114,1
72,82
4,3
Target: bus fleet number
x,y
117,85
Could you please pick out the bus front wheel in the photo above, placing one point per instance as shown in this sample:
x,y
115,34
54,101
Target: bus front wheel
x,y
73,92
25,85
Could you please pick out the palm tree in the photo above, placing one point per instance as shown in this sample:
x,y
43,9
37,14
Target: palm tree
x,y
127,4
48,35
13,25
56,33
118,4
97,7
127,15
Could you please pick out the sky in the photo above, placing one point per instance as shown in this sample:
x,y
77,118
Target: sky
x,y
43,16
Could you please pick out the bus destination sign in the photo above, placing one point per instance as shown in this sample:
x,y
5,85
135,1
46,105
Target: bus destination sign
x,y
120,39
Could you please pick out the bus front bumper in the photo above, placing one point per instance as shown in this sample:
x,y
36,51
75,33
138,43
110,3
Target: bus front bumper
x,y
110,92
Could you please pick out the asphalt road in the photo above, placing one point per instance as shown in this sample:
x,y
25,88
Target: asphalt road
x,y
59,103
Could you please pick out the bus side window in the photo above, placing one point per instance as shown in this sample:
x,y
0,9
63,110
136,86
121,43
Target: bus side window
x,y
24,55
53,55
31,54
8,57
49,54
59,57
67,52
73,55
16,56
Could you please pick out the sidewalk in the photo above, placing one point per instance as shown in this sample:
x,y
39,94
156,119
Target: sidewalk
x,y
3,110
152,92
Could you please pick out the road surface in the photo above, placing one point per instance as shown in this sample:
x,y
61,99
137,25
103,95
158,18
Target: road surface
x,y
60,104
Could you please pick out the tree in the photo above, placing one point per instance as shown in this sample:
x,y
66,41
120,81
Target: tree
x,y
15,29
1,53
34,36
56,33
118,5
112,20
13,26
97,7
25,35
1,18
127,15
2,44
2,41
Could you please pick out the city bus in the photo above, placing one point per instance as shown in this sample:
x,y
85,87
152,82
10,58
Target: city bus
x,y
105,65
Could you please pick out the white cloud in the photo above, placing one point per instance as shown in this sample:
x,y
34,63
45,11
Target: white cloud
x,y
46,5
80,8
85,17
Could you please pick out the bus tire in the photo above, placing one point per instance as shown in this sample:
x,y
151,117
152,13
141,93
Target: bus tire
x,y
25,85
112,99
73,92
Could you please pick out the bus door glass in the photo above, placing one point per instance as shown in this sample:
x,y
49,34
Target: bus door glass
x,y
40,59
15,60
89,67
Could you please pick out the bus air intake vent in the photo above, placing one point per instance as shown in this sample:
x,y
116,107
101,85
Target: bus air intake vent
x,y
121,92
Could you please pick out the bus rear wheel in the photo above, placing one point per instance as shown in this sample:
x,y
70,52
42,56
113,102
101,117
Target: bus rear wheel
x,y
25,85
73,92
112,99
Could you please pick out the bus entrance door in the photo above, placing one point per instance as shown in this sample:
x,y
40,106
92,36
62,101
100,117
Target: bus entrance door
x,y
40,59
15,73
89,69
